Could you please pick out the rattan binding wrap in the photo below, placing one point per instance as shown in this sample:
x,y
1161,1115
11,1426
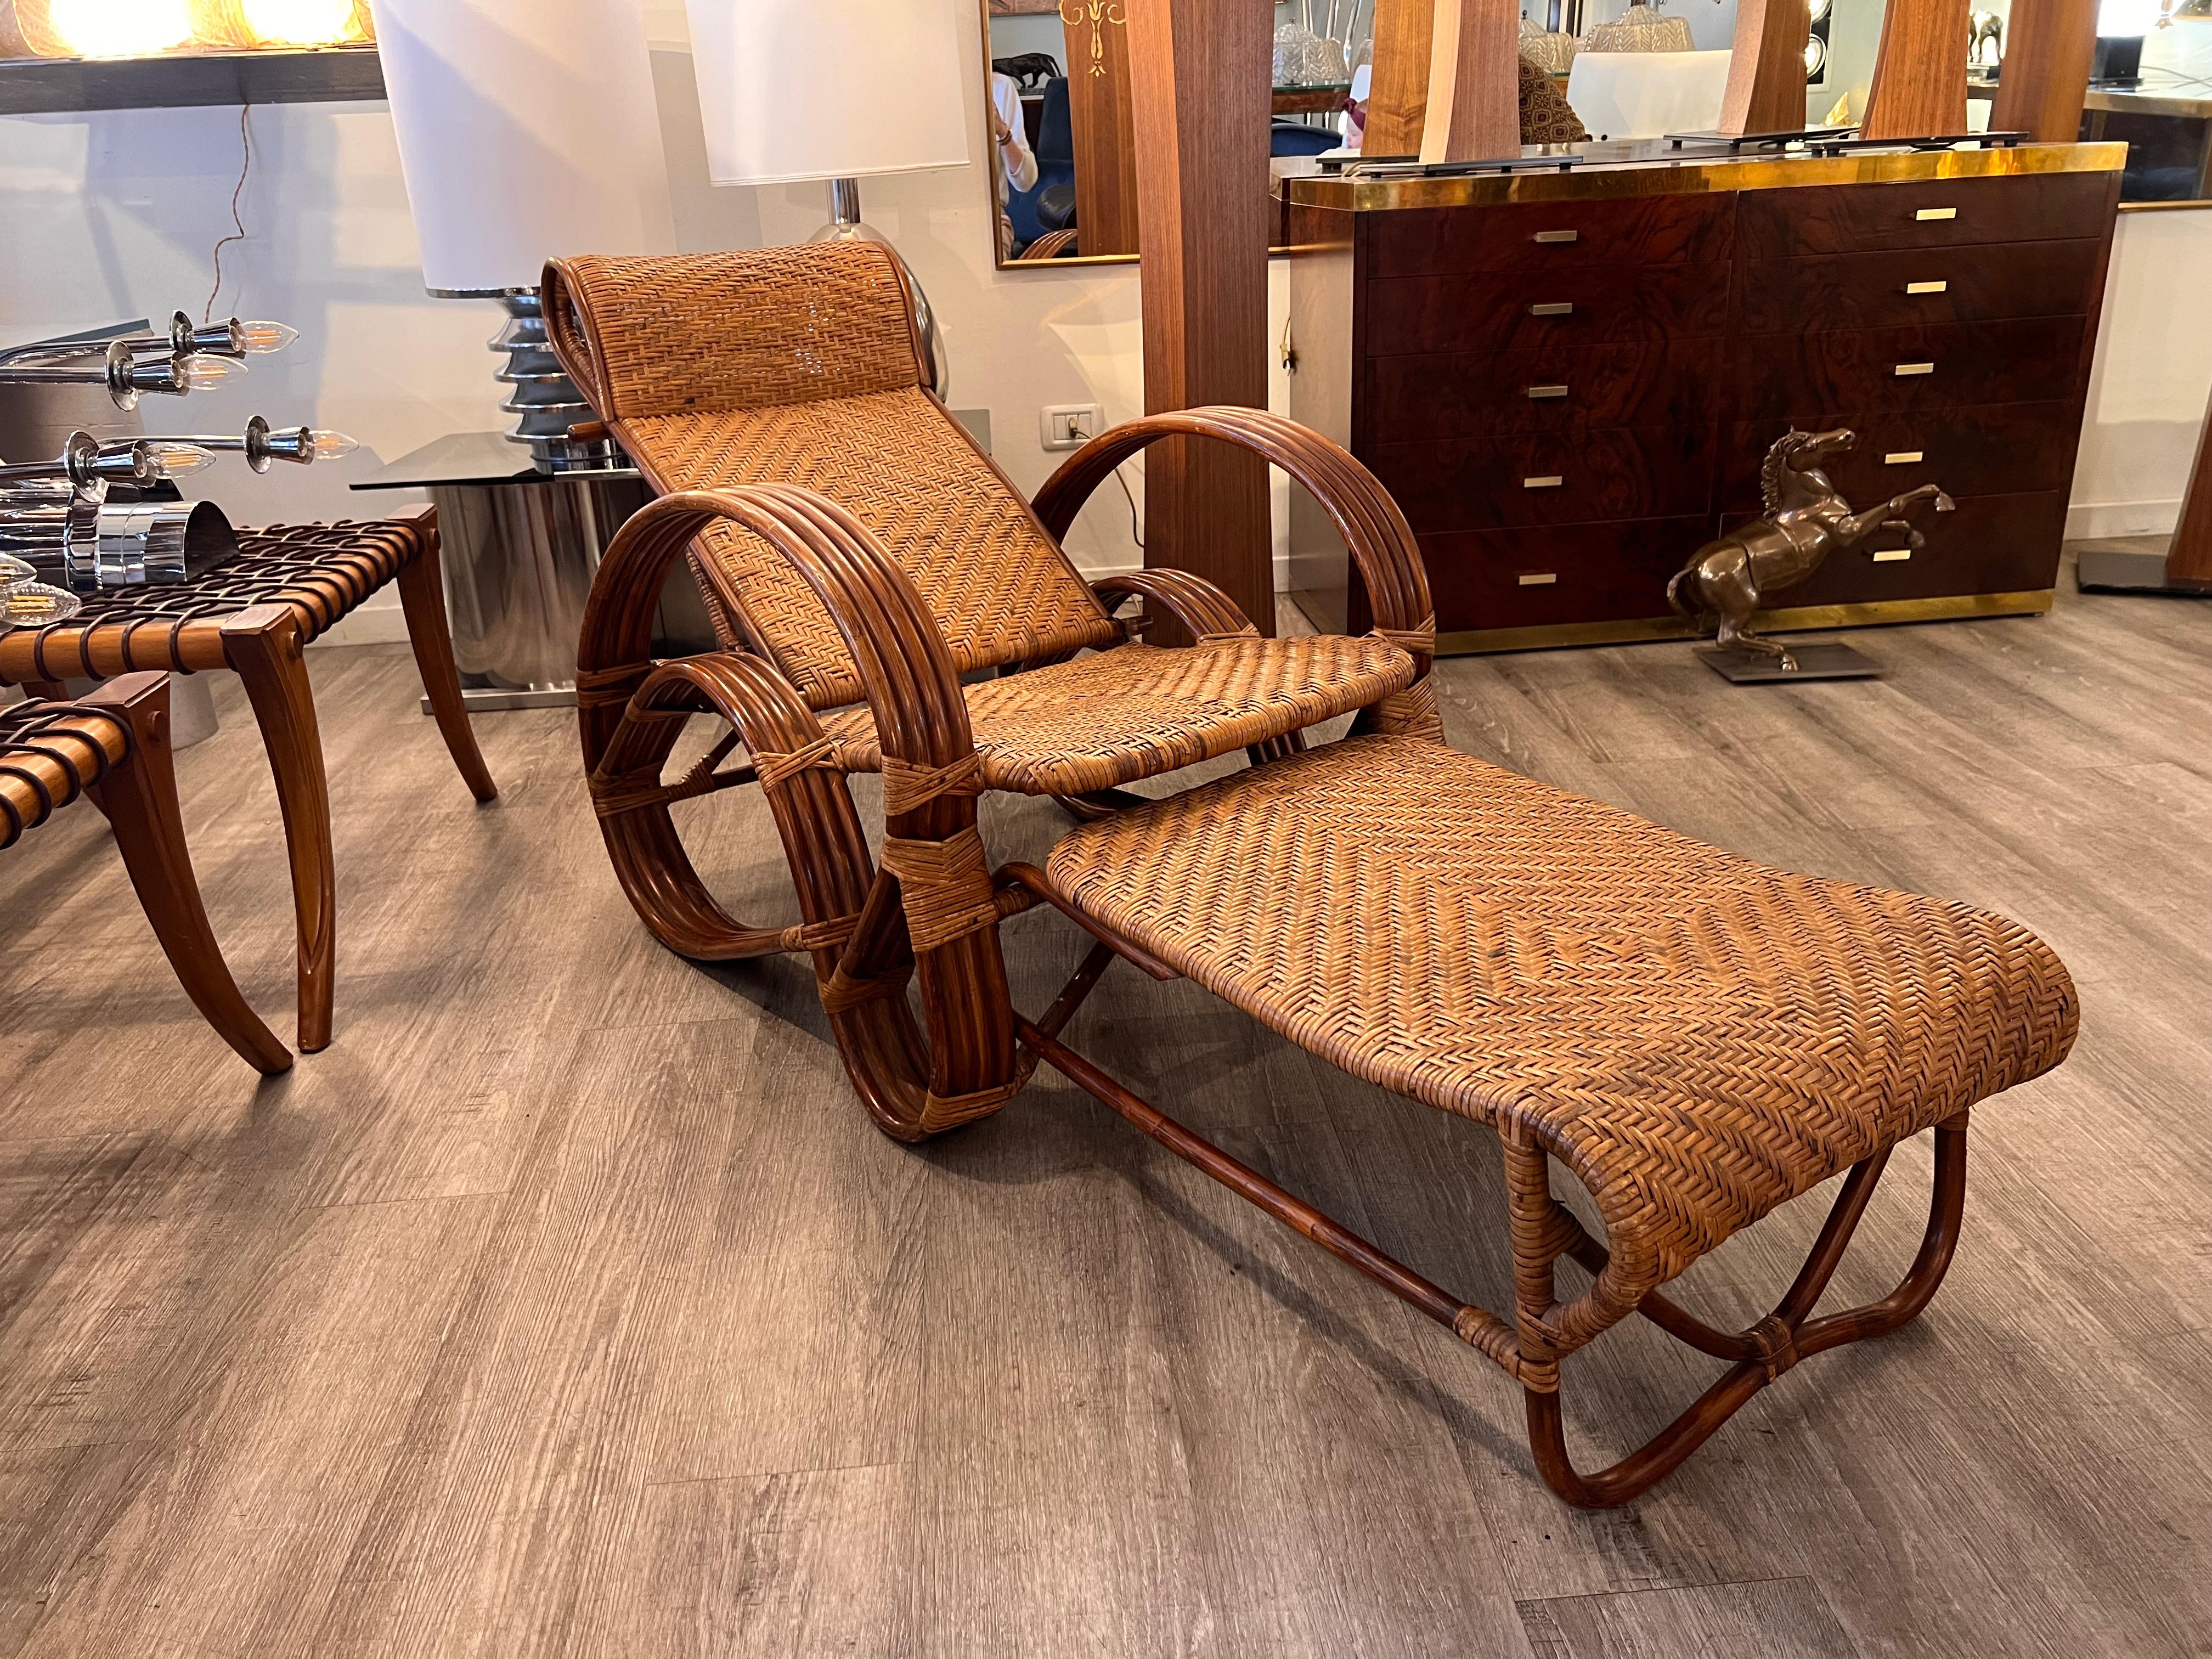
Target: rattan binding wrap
x,y
799,365
1699,1037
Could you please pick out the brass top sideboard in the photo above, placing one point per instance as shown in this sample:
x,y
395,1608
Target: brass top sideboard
x,y
1568,378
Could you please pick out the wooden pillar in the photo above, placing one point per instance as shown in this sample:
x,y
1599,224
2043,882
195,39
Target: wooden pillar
x,y
1398,91
2049,45
1766,69
1919,72
1200,80
2190,559
1473,110
1105,139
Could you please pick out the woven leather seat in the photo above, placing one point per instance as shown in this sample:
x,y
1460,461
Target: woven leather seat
x,y
1700,1038
1134,712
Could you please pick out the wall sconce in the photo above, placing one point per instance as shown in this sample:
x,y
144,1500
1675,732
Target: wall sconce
x,y
190,358
261,446
55,518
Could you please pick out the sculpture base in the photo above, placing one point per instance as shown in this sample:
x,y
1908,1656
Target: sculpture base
x,y
2118,570
1814,662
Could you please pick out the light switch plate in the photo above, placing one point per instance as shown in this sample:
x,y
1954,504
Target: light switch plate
x,y
1069,426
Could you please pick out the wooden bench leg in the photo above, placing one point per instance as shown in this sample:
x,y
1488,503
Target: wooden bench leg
x,y
262,647
1775,1344
423,599
139,796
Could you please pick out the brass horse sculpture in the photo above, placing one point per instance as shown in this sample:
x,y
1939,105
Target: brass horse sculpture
x,y
1806,520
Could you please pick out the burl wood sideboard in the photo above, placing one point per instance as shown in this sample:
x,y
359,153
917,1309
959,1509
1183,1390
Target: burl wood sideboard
x,y
1569,380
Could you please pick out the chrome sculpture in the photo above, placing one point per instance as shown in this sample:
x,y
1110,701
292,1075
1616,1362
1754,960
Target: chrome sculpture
x,y
1731,578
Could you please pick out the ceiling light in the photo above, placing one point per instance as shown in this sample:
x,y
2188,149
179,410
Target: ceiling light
x,y
120,28
300,22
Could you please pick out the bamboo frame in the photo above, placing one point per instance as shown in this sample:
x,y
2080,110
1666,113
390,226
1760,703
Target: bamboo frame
x,y
907,958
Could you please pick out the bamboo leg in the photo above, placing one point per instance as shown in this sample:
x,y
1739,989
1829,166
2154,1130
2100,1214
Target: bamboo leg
x,y
139,796
262,647
1779,1340
423,599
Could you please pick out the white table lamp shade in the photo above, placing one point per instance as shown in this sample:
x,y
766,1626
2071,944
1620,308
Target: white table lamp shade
x,y
527,128
796,89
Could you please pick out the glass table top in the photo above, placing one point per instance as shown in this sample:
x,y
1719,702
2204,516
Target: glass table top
x,y
482,459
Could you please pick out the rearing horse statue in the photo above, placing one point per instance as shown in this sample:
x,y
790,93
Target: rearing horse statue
x,y
1805,520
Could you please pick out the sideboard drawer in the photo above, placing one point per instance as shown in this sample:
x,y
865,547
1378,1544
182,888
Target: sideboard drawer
x,y
1996,450
2033,361
1542,577
1992,544
1548,477
1778,224
1918,286
1463,394
1503,310
1650,230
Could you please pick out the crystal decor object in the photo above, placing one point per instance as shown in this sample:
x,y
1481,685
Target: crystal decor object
x,y
1642,29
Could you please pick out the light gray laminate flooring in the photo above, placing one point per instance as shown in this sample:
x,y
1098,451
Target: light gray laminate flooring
x,y
570,1304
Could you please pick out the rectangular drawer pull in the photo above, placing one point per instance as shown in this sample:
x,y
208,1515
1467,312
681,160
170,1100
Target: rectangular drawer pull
x,y
1557,390
1903,457
1928,288
1553,308
1549,481
1543,577
1558,236
1915,368
1892,555
1937,213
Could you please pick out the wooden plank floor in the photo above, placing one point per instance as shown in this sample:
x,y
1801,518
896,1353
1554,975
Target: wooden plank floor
x,y
569,1304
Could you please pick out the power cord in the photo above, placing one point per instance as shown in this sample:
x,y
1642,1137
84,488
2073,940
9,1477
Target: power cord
x,y
238,224
1136,530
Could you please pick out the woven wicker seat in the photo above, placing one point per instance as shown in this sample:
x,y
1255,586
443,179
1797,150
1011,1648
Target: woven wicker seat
x,y
252,615
1074,727
113,746
1698,1037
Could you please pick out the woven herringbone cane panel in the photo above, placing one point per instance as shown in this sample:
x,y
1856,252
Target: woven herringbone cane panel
x,y
736,330
1699,1037
1000,588
1138,711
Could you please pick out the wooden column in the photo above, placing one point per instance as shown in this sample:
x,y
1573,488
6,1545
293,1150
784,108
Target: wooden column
x,y
2190,559
1200,80
2048,47
1398,93
1766,69
1919,71
1105,138
1474,81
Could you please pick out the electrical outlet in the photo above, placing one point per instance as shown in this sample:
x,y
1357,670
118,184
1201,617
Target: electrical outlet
x,y
1069,426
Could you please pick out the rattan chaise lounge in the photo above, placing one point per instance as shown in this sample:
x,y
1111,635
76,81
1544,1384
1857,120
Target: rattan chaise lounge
x,y
1698,1039
113,745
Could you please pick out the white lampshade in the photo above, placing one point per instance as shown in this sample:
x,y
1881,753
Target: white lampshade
x,y
527,128
794,89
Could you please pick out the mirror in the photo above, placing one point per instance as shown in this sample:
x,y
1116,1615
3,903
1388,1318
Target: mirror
x,y
1061,144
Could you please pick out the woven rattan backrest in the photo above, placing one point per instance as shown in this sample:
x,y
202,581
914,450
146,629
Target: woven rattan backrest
x,y
799,364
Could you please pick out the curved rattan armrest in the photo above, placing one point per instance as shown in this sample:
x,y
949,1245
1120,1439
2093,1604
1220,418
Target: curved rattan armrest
x,y
1381,542
905,667
1191,600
